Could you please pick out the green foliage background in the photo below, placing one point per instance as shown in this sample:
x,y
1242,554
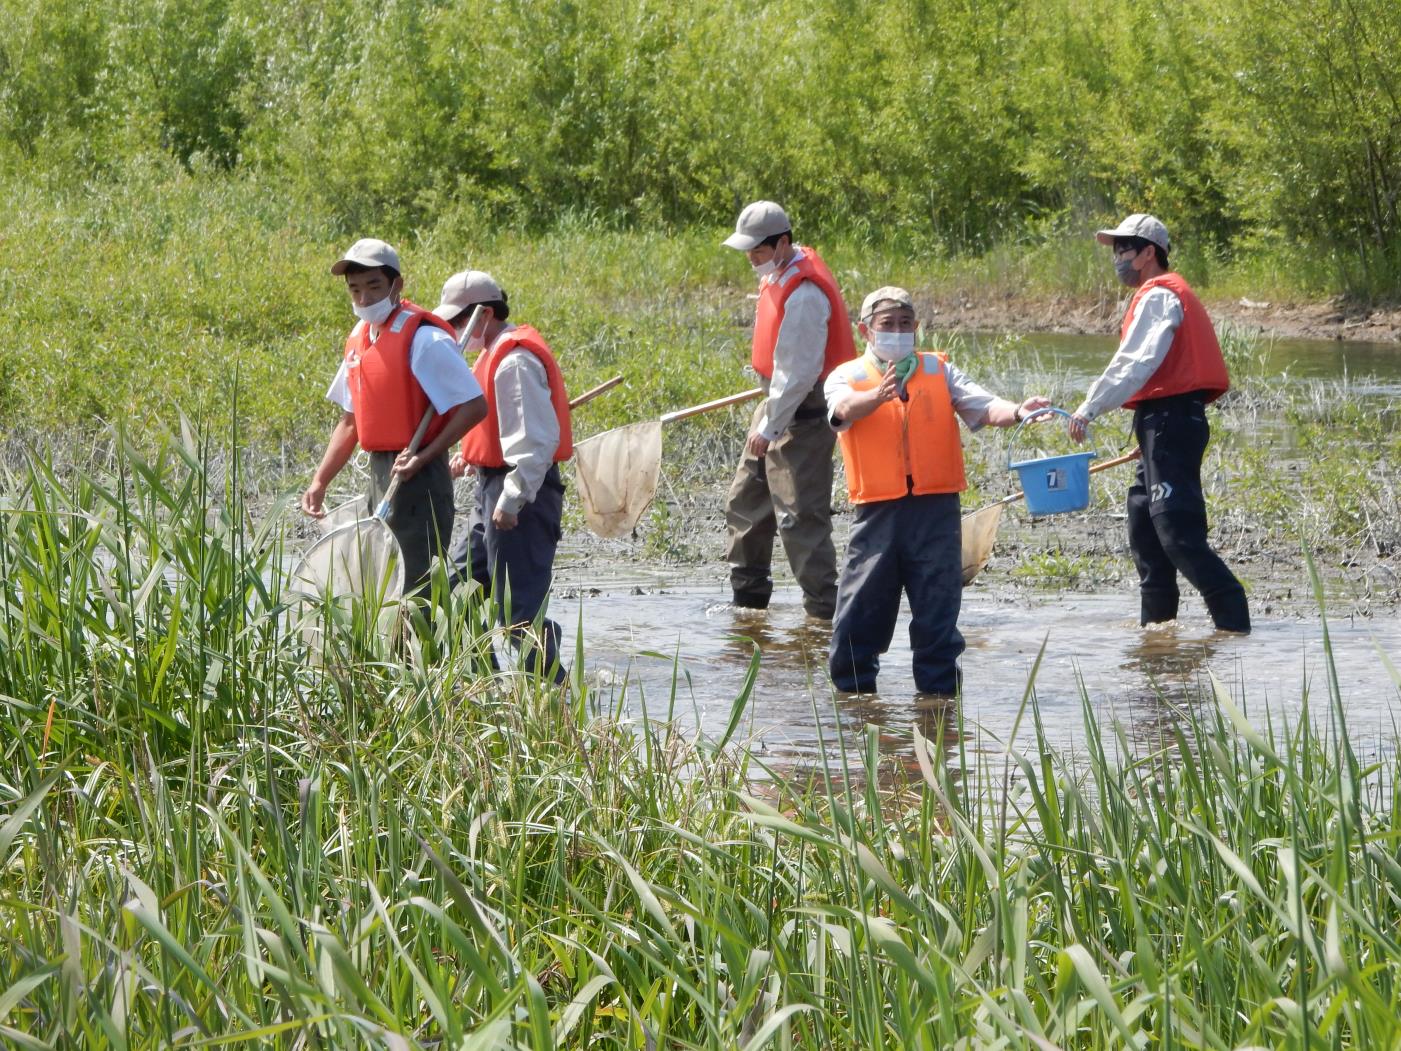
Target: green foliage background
x,y
178,173
958,123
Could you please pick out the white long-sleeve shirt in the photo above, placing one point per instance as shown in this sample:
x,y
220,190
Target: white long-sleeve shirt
x,y
798,355
970,400
437,364
528,426
1143,348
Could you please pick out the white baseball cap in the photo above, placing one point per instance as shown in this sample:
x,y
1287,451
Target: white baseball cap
x,y
758,220
466,289
886,294
1139,224
368,251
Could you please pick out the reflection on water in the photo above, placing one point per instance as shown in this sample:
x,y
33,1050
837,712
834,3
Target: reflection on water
x,y
1146,680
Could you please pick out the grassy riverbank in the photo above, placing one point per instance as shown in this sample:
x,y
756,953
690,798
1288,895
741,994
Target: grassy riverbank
x,y
204,296
153,293
209,839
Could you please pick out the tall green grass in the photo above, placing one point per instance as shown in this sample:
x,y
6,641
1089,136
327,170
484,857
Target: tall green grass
x,y
210,836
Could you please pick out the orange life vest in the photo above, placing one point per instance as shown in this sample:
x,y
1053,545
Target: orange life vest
x,y
386,399
1194,360
904,446
807,265
482,446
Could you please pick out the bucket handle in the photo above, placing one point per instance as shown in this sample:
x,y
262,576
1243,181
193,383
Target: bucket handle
x,y
1011,445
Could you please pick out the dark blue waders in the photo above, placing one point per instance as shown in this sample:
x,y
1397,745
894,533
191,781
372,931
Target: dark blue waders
x,y
516,565
914,545
1167,516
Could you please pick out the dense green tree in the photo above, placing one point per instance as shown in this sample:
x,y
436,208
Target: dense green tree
x,y
954,124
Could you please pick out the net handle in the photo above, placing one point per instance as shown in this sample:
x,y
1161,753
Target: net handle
x,y
709,406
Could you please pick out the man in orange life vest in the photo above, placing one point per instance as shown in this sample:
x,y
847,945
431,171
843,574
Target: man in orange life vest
x,y
783,483
896,411
1167,369
515,527
399,359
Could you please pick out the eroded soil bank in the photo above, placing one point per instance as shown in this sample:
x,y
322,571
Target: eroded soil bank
x,y
971,310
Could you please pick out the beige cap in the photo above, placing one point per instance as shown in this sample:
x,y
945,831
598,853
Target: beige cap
x,y
1137,225
466,289
888,294
758,220
368,251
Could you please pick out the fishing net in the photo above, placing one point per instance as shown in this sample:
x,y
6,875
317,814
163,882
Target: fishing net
x,y
979,534
343,514
351,576
359,560
617,473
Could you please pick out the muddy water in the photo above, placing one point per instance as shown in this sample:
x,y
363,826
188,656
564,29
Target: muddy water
x,y
678,648
683,651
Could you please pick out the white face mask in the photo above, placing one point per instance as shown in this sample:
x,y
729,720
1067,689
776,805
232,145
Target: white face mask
x,y
892,346
375,313
763,270
470,341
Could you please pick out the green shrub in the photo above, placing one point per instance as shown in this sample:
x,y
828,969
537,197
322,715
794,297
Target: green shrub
x,y
930,124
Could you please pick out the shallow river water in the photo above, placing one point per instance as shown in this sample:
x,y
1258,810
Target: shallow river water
x,y
643,631
640,638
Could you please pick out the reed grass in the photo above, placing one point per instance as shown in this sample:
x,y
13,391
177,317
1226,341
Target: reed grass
x,y
212,836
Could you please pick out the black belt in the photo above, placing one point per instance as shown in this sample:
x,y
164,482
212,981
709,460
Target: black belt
x,y
393,454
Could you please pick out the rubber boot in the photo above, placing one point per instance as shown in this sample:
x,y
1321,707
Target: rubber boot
x,y
752,599
1229,610
1156,607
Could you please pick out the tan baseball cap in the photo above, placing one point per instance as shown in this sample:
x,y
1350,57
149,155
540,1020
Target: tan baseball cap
x,y
758,220
889,294
1139,224
368,251
466,289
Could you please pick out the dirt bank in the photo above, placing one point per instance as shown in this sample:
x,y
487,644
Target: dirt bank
x,y
1330,319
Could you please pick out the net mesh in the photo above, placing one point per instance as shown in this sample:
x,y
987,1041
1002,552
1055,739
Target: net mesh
x,y
343,514
359,560
617,475
979,534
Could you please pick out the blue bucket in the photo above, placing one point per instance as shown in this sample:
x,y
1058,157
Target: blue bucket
x,y
1053,484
